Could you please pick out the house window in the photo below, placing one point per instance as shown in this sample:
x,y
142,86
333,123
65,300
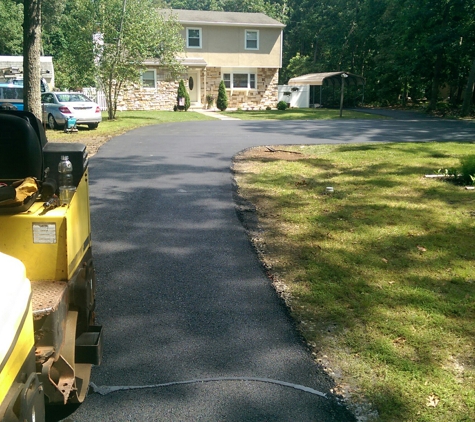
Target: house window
x,y
227,80
252,80
193,37
252,40
239,80
149,78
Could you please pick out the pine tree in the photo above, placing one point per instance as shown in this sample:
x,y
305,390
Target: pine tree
x,y
222,101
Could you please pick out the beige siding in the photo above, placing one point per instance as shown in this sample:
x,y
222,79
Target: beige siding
x,y
225,47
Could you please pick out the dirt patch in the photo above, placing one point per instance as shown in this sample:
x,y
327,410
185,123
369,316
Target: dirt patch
x,y
259,221
92,143
244,162
269,153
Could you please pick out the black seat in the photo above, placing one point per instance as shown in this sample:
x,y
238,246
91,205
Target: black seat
x,y
21,145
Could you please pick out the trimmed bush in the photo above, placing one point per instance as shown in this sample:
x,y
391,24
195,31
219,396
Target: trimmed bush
x,y
182,92
222,101
281,105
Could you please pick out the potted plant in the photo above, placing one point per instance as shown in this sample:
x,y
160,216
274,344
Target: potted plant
x,y
209,101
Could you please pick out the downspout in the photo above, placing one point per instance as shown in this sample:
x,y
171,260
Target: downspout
x,y
205,72
281,47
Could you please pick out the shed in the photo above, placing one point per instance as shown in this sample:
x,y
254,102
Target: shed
x,y
333,79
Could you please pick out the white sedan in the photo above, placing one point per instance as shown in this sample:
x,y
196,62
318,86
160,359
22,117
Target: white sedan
x,y
58,107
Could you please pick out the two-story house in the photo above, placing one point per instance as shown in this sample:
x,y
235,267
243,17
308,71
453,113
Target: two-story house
x,y
243,49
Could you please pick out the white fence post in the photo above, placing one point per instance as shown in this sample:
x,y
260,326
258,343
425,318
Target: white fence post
x,y
96,95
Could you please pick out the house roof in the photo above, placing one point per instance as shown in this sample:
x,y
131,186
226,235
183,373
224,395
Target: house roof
x,y
205,17
326,79
185,61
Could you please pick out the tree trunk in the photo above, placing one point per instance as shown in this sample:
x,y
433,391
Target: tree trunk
x,y
434,95
31,57
467,99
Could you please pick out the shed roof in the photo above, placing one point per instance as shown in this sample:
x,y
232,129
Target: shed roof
x,y
205,17
328,78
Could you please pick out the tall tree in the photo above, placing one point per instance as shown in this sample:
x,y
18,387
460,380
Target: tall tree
x,y
132,31
11,38
31,57
467,100
70,41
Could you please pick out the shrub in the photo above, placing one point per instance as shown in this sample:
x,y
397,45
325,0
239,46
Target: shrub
x,y
182,92
467,171
268,108
222,101
281,105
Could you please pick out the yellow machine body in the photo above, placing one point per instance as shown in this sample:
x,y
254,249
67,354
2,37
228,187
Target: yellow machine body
x,y
51,244
21,394
48,337
16,321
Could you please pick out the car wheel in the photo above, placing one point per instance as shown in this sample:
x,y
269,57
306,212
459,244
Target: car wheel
x,y
51,122
93,125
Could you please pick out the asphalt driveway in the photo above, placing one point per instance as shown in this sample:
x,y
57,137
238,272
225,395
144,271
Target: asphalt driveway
x,y
186,308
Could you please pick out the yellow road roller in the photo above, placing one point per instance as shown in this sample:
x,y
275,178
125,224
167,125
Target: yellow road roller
x,y
51,239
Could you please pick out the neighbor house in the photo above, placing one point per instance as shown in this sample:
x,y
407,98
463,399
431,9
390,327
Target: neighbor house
x,y
242,49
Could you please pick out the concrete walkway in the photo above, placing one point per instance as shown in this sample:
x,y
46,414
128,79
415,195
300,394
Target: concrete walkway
x,y
215,114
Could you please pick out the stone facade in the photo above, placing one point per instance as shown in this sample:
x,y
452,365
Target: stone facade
x,y
163,97
135,97
247,99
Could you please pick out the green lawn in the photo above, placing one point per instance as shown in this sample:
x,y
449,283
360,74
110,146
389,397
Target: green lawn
x,y
380,274
299,114
125,121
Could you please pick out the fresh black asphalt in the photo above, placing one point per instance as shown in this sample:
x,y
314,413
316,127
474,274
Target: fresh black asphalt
x,y
181,294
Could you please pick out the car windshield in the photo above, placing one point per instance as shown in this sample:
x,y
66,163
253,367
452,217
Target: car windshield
x,y
72,98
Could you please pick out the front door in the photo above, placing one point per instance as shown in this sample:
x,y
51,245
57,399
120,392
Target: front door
x,y
194,87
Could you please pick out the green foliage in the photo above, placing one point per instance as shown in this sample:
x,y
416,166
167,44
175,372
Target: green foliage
x,y
11,31
281,105
467,169
183,93
406,50
222,101
68,33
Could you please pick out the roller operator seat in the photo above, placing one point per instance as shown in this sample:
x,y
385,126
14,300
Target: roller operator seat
x,y
21,146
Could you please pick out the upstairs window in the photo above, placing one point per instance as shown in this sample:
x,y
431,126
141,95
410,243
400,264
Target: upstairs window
x,y
148,79
193,37
252,40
